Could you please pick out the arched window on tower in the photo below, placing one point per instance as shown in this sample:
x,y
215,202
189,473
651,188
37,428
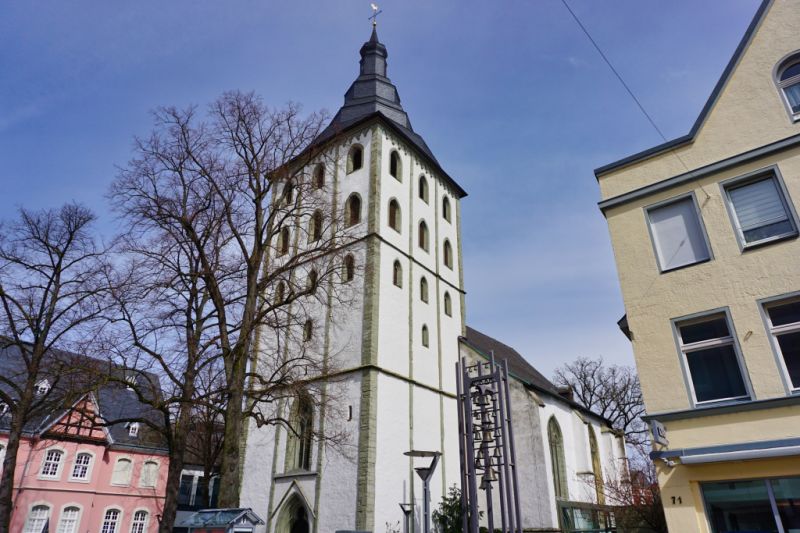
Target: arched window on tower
x,y
315,230
423,289
448,254
422,238
352,210
394,215
355,158
288,193
788,80
394,165
312,281
425,340
349,268
280,293
448,304
397,274
446,208
423,189
283,241
298,453
597,469
318,179
557,460
308,330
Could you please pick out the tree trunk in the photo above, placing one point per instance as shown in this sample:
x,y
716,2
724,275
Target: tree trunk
x,y
10,467
230,471
177,449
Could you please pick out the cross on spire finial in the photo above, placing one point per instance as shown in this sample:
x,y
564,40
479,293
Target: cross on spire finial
x,y
375,13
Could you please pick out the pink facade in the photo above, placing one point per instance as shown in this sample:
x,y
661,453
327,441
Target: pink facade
x,y
78,481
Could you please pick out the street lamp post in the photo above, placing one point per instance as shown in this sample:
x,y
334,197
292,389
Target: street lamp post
x,y
425,474
407,508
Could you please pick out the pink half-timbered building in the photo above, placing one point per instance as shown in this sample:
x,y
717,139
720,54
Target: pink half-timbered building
x,y
74,475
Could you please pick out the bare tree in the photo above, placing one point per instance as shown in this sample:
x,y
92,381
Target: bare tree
x,y
230,240
51,273
637,498
612,391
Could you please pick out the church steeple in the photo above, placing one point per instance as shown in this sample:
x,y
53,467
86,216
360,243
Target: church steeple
x,y
371,93
373,56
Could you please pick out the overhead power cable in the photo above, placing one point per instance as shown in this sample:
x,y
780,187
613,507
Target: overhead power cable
x,y
622,81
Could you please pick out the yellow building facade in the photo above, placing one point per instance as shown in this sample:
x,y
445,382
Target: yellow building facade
x,y
705,235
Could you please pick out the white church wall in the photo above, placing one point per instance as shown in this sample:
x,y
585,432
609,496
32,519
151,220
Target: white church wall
x,y
393,440
393,309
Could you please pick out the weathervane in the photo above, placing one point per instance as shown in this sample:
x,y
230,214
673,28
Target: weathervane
x,y
375,13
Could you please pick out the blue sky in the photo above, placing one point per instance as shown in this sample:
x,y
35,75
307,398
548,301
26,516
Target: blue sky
x,y
510,96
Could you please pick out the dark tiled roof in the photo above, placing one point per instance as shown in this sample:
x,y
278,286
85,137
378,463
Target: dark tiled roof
x,y
723,80
519,368
72,376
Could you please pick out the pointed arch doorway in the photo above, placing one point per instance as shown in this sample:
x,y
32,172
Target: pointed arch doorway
x,y
293,517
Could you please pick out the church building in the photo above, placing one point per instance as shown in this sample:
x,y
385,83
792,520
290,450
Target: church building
x,y
395,344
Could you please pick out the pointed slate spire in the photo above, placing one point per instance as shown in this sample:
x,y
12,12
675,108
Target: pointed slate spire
x,y
373,92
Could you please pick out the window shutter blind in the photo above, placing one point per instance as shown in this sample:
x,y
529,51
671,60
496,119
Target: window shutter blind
x,y
677,234
758,204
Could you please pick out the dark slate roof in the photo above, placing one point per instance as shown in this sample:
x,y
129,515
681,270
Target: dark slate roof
x,y
220,517
71,378
519,368
723,80
373,95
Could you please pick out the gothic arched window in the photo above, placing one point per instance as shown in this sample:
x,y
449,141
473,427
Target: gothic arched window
x,y
394,215
423,189
448,304
352,210
355,158
308,330
448,254
557,460
349,268
787,76
298,453
425,339
597,469
423,289
446,208
394,165
397,274
422,239
315,231
318,179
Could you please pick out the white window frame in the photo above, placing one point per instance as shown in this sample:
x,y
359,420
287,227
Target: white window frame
x,y
33,505
130,476
59,467
664,203
772,331
133,429
89,467
77,520
771,172
120,518
780,66
42,387
731,340
146,518
142,471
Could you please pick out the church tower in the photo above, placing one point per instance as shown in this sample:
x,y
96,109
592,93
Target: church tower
x,y
394,346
